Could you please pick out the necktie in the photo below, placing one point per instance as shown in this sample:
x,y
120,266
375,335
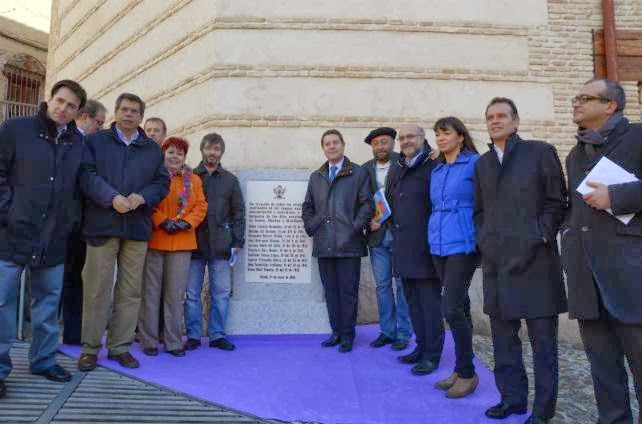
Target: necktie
x,y
333,172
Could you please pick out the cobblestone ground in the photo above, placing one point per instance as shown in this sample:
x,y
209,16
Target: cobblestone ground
x,y
575,401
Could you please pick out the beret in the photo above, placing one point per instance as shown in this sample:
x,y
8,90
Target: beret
x,y
380,131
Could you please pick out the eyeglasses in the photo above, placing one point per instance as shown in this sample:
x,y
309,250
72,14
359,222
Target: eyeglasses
x,y
583,98
407,137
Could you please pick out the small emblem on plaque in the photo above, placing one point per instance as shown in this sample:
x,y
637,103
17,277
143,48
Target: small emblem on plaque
x,y
279,192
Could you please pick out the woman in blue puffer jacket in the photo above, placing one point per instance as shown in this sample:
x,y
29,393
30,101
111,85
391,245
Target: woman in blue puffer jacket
x,y
451,236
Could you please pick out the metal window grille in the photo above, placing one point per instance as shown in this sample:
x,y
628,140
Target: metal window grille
x,y
22,81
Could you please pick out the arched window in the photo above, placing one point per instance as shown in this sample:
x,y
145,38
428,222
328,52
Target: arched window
x,y
22,80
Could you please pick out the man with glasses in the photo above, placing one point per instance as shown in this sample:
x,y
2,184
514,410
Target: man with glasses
x,y
89,120
124,178
601,255
410,192
520,196
91,117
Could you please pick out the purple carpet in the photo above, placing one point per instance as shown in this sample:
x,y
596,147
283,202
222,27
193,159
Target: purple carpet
x,y
291,377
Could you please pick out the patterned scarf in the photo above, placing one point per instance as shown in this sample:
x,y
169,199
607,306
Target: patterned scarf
x,y
186,192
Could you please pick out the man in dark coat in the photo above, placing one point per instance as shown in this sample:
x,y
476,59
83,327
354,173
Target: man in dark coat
x,y
410,192
394,319
519,205
336,212
601,255
90,119
219,237
40,160
124,179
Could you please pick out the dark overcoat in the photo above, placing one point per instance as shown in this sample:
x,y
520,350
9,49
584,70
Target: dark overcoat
x,y
39,198
410,192
601,255
336,213
376,237
519,206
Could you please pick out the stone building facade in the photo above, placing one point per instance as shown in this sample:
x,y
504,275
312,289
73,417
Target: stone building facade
x,y
272,75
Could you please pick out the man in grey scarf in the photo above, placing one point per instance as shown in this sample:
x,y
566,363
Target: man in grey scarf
x,y
601,255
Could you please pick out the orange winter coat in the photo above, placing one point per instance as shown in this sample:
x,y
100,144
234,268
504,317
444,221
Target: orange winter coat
x,y
194,213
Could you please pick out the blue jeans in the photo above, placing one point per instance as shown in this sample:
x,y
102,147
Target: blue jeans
x,y
46,285
394,320
219,274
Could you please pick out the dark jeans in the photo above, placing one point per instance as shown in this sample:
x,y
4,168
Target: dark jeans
x,y
340,278
510,376
607,342
424,299
455,273
72,289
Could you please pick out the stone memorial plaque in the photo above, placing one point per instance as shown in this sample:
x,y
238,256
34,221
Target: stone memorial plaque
x,y
276,288
278,249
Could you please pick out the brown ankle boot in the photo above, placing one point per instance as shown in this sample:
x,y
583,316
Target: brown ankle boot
x,y
448,382
463,387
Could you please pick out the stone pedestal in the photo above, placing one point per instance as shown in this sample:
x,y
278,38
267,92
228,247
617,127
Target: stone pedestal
x,y
278,298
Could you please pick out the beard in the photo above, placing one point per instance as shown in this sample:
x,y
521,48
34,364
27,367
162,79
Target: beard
x,y
382,156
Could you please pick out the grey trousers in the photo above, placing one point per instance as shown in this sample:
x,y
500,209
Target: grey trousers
x,y
166,271
608,342
98,310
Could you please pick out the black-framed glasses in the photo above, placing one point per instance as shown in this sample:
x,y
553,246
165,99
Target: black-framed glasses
x,y
583,98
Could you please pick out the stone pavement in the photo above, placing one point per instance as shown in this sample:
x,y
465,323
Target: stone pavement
x,y
575,401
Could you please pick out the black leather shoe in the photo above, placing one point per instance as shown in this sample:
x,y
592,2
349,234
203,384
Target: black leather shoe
x,y
333,340
399,344
55,373
150,351
191,344
381,341
504,409
411,358
534,419
3,389
177,352
346,346
424,367
222,344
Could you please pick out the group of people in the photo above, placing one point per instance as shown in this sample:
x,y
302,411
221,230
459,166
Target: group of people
x,y
119,223
78,203
430,217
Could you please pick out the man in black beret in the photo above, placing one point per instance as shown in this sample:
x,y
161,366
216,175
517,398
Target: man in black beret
x,y
394,319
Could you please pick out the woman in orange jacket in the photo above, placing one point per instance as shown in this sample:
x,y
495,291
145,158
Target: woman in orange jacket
x,y
170,249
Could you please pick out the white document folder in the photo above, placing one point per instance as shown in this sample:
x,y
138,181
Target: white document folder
x,y
608,172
